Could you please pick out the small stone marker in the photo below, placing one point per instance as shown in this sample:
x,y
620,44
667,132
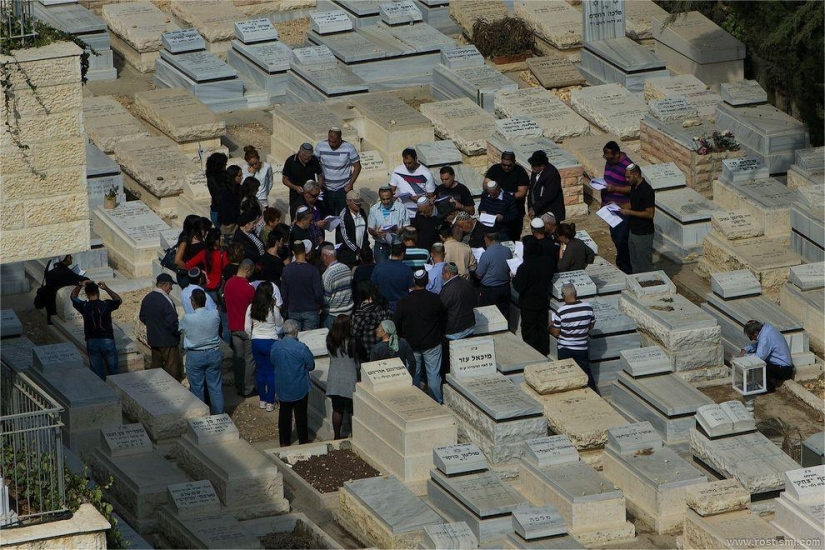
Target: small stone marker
x,y
126,440
192,500
555,376
56,357
456,536
735,284
603,20
186,40
714,420
584,284
664,176
736,224
743,169
386,374
653,283
743,421
538,523
555,72
217,428
717,497
645,361
550,450
459,459
806,485
472,357
400,13
314,56
255,30
743,92
808,276
10,324
632,438
670,109
517,127
461,57
329,22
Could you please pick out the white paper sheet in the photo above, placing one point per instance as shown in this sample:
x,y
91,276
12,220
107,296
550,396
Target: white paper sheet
x,y
598,184
514,263
607,215
477,252
487,219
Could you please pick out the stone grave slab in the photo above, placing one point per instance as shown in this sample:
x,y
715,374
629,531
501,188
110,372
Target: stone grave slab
x,y
811,160
743,92
805,485
686,205
512,355
699,39
125,440
536,523
461,57
653,283
555,119
620,60
315,340
182,41
471,357
191,499
496,395
555,376
480,84
157,400
329,22
212,429
664,176
53,357
108,123
550,450
717,497
668,394
387,374
554,21
465,13
383,511
645,361
156,164
606,276
764,129
672,320
808,276
751,458
743,526
517,127
139,24
255,30
632,438
17,352
735,284
639,16
736,224
488,320
449,535
179,114
580,279
200,66
672,108
10,324
391,125
438,153
400,13
743,169
213,19
352,47
462,121
611,107
742,310
669,86
554,71
272,58
459,459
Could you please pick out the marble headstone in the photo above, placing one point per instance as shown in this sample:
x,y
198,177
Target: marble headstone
x,y
187,40
584,284
255,30
602,20
213,429
329,22
126,440
550,450
743,169
743,92
537,523
664,176
386,374
459,459
192,500
806,485
461,57
472,357
632,438
808,276
400,13
735,284
645,361
456,536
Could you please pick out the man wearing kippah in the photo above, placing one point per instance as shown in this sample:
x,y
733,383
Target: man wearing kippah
x,y
341,165
515,180
299,168
639,214
501,205
420,318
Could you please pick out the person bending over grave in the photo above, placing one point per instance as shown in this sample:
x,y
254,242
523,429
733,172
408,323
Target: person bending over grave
x,y
769,345
640,214
292,361
158,313
574,254
341,166
617,191
513,179
571,325
202,342
57,276
97,325
343,370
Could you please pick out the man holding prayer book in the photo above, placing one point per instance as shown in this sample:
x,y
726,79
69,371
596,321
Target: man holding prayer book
x,y
386,218
616,190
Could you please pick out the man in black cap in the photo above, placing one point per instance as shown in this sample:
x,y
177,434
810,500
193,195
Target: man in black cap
x,y
419,318
298,169
158,313
545,188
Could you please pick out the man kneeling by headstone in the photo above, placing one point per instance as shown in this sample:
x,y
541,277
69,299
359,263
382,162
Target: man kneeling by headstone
x,y
97,325
770,346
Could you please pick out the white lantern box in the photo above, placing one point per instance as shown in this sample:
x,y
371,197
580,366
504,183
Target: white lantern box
x,y
748,375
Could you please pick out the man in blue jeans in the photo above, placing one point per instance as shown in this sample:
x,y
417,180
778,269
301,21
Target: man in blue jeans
x,y
420,317
97,325
202,343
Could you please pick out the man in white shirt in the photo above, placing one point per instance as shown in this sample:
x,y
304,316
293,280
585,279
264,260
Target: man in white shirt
x,y
411,180
387,212
341,165
196,281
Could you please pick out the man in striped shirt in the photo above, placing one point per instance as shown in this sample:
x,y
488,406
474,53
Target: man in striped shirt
x,y
341,165
337,281
571,325
618,192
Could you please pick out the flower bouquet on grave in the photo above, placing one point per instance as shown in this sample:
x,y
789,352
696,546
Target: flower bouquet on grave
x,y
717,142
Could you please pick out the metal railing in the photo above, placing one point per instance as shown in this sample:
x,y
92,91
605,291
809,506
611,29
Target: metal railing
x,y
32,450
16,23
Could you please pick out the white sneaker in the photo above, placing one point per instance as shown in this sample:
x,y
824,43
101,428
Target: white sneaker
x,y
270,407
262,405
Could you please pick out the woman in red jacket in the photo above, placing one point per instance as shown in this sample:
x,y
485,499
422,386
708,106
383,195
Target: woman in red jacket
x,y
212,259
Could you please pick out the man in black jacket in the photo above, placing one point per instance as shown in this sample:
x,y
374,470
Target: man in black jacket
x,y
419,318
158,313
532,282
545,188
459,299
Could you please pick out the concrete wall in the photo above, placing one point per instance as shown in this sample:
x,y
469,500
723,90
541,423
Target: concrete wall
x,y
44,207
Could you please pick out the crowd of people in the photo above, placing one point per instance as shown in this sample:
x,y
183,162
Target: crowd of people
x,y
400,279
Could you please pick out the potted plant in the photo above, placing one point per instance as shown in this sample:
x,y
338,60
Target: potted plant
x,y
110,198
507,40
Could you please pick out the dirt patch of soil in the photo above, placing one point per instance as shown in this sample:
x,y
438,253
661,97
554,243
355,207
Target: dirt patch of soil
x,y
293,33
815,386
128,310
286,540
36,329
255,424
651,282
327,473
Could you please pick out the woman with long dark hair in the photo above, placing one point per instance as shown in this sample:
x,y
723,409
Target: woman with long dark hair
x,y
212,259
215,176
263,324
190,243
230,203
249,201
343,370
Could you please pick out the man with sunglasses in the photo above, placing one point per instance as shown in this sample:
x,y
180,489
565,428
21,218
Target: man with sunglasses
x,y
513,179
386,219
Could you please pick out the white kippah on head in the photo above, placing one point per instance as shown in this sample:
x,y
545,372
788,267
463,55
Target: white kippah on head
x,y
423,200
537,223
491,184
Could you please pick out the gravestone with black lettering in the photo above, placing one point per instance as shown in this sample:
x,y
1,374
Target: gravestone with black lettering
x,y
259,57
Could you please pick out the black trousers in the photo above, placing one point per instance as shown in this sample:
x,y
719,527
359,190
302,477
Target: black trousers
x,y
534,329
285,421
498,296
776,375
